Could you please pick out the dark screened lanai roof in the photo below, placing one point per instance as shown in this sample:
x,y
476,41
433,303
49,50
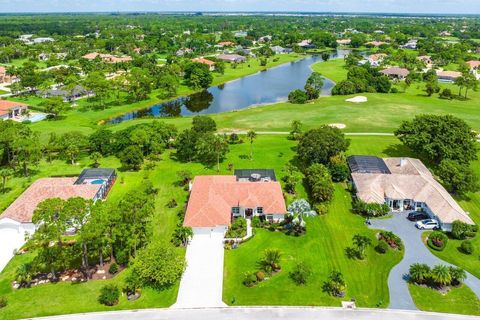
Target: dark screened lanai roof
x,y
95,173
367,164
247,173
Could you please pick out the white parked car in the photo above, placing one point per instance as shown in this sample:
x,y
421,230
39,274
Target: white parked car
x,y
428,224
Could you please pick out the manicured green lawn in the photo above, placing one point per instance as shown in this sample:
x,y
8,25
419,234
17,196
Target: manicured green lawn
x,y
323,248
460,300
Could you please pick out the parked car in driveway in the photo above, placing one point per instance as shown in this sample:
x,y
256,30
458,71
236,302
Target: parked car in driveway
x,y
417,216
428,224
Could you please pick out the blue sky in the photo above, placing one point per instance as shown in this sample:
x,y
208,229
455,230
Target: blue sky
x,y
393,6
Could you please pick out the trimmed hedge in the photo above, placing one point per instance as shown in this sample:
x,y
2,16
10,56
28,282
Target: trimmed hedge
x,y
437,240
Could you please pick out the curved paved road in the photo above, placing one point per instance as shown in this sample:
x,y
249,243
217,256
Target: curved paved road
x,y
415,251
264,313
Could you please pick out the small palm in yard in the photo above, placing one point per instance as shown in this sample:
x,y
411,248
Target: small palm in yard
x,y
361,243
271,260
5,174
251,135
441,275
335,285
458,275
419,273
95,157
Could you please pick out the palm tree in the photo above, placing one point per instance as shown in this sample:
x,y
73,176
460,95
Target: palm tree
x,y
419,273
183,235
5,174
441,275
458,275
95,157
271,260
251,135
361,243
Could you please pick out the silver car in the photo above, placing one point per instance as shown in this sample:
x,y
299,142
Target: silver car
x,y
428,224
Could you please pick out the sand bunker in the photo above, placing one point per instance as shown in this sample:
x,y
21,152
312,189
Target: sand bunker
x,y
338,125
357,99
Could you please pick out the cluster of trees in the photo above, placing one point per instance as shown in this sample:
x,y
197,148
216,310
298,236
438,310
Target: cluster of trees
x,y
311,91
320,152
101,232
446,142
201,143
362,79
437,277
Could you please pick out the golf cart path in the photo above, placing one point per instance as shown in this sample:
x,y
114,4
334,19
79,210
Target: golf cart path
x,y
415,252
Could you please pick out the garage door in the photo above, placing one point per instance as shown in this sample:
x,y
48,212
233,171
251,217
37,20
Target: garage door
x,y
10,239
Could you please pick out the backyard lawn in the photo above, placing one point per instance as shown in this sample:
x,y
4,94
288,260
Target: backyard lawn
x,y
323,249
460,300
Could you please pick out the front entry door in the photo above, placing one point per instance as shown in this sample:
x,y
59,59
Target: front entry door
x,y
248,213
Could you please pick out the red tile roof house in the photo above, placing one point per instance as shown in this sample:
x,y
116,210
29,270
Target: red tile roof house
x,y
209,63
16,220
215,201
474,68
11,109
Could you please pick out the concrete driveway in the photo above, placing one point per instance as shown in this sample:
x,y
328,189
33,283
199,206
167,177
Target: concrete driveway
x,y
415,251
202,281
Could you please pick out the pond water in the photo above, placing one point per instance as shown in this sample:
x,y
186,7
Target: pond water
x,y
266,87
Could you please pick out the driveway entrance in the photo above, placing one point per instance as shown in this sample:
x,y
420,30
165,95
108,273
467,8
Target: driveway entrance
x,y
202,282
415,251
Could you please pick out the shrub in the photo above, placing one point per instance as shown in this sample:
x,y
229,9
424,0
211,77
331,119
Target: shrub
x,y
382,247
260,276
461,230
257,222
394,90
297,96
437,240
335,284
446,94
121,257
113,268
467,247
250,279
172,204
300,273
3,302
321,209
419,273
391,239
109,295
370,209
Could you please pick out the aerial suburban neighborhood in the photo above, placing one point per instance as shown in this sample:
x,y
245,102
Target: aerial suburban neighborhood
x,y
186,162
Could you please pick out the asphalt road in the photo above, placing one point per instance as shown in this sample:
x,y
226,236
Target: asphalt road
x,y
264,313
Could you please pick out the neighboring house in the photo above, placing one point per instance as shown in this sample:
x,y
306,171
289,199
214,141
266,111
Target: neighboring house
x,y
265,39
108,58
427,60
448,76
209,63
215,201
236,58
183,51
474,68
43,57
240,34
255,175
25,37
375,44
68,95
411,44
344,42
11,110
225,44
374,59
396,73
43,40
445,34
404,184
281,50
306,44
4,78
16,220
243,51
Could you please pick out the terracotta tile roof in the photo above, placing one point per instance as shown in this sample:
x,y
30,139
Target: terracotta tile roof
x,y
6,106
21,210
376,43
396,71
204,61
449,74
473,64
212,198
377,56
412,180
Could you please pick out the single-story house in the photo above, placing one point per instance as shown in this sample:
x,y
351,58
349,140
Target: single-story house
x,y
404,184
108,58
183,51
215,201
11,109
265,39
16,220
281,50
426,59
306,44
374,59
474,68
43,40
225,44
396,73
209,63
236,58
411,44
344,42
448,76
255,175
375,43
4,77
76,93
